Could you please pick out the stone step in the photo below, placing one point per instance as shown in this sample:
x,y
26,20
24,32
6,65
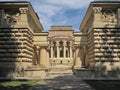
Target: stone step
x,y
55,69
51,76
57,74
59,71
52,73
61,66
65,71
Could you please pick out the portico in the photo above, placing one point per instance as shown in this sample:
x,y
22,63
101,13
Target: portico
x,y
61,50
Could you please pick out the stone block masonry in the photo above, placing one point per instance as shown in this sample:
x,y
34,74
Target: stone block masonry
x,y
16,48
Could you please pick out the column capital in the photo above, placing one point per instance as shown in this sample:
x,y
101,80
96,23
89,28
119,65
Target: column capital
x,y
71,43
51,45
57,43
48,48
38,47
64,43
97,9
23,10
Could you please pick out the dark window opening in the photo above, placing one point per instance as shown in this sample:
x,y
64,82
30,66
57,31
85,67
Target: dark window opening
x,y
61,53
60,62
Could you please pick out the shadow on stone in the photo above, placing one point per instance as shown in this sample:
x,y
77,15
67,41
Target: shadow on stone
x,y
104,84
66,82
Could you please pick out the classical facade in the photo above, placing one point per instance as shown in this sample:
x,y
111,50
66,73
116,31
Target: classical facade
x,y
26,51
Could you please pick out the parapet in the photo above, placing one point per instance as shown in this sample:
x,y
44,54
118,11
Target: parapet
x,y
61,28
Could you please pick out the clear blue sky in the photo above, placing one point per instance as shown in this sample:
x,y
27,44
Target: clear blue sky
x,y
60,12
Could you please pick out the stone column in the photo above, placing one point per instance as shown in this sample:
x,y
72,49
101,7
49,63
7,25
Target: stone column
x,y
64,43
58,49
68,50
51,51
71,50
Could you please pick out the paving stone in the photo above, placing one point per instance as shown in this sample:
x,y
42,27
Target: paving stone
x,y
62,83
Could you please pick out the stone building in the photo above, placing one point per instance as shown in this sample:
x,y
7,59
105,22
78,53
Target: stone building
x,y
26,51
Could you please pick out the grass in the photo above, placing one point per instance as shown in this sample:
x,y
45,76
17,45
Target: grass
x,y
17,83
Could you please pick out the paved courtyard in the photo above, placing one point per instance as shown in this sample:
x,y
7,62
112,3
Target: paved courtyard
x,y
68,82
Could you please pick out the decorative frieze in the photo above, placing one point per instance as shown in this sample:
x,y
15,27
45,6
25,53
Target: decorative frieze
x,y
9,17
109,16
18,16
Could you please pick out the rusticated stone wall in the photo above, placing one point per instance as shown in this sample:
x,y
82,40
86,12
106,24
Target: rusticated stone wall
x,y
16,38
107,43
16,48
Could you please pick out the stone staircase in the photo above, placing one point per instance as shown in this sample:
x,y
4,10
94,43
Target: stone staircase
x,y
61,78
59,72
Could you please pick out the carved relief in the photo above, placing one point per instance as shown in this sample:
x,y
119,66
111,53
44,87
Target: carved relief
x,y
109,16
9,17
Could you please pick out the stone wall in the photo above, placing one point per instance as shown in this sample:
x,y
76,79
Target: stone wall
x,y
106,38
16,47
103,37
91,47
16,38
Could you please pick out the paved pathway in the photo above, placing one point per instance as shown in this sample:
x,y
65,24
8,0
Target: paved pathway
x,y
68,82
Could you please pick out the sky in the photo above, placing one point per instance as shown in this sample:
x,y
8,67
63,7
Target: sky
x,y
60,12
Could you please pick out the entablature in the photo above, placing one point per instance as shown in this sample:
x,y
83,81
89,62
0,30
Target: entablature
x,y
61,31
41,39
80,38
